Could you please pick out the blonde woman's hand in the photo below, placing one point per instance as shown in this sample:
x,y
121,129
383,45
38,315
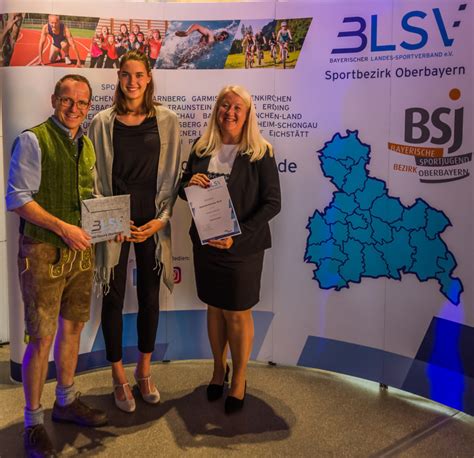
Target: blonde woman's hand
x,y
223,244
199,179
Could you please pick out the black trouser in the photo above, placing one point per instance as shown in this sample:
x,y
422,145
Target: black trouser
x,y
97,61
148,292
111,63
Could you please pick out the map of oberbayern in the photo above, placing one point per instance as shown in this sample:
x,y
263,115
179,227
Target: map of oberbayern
x,y
365,232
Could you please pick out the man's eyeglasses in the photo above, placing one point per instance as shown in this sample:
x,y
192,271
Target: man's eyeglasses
x,y
67,102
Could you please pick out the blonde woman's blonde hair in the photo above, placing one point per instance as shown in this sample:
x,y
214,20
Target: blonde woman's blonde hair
x,y
251,142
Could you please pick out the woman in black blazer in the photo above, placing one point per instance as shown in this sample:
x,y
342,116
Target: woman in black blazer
x,y
228,270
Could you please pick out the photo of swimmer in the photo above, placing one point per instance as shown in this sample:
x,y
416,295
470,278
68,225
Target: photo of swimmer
x,y
197,45
48,39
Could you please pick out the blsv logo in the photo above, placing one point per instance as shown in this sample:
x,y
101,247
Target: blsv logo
x,y
406,25
449,125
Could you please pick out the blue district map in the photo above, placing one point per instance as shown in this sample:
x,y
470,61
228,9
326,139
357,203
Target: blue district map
x,y
364,232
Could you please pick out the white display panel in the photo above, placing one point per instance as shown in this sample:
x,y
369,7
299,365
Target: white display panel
x,y
370,272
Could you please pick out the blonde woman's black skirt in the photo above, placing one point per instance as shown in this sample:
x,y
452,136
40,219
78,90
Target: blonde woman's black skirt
x,y
226,280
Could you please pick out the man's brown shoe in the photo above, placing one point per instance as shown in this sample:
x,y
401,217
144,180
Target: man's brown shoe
x,y
37,443
79,413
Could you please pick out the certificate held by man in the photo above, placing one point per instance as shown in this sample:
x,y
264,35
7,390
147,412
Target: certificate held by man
x,y
212,211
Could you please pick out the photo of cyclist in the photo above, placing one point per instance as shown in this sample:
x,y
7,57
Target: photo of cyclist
x,y
283,39
272,42
248,47
260,43
251,45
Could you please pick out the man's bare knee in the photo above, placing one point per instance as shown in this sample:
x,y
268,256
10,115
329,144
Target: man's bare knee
x,y
69,327
41,345
75,327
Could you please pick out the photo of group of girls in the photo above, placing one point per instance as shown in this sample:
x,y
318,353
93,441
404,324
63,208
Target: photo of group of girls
x,y
114,37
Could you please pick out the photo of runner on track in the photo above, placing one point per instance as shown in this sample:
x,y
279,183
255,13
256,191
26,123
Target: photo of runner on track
x,y
62,42
52,40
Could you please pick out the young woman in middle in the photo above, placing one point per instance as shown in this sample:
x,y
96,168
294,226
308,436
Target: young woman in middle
x,y
138,153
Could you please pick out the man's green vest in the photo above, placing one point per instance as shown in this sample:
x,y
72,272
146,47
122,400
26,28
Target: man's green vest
x,y
66,179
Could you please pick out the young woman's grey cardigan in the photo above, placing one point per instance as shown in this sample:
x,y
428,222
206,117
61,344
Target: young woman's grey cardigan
x,y
168,176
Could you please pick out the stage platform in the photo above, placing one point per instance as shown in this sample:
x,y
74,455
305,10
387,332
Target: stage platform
x,y
288,412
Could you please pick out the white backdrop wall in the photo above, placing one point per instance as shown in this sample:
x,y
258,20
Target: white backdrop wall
x,y
370,273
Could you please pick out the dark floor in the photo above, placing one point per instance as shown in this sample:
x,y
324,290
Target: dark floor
x,y
288,412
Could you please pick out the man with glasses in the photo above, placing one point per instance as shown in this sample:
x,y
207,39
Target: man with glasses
x,y
50,173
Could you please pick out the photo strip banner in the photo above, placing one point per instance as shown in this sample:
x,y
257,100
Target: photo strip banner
x,y
368,105
44,39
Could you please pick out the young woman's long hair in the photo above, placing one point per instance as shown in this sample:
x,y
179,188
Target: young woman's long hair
x,y
251,143
120,102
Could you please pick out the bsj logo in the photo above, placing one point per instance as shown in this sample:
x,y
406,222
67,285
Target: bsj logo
x,y
177,275
448,125
413,22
